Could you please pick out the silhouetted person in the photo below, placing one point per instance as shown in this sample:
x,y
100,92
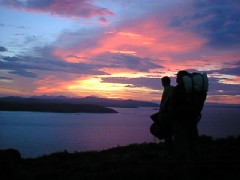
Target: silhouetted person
x,y
162,129
185,118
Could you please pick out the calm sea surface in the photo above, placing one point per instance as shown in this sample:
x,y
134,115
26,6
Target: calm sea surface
x,y
35,134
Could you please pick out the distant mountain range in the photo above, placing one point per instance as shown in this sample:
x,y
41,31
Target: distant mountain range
x,y
106,102
66,104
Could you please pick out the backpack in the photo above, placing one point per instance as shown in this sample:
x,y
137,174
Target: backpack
x,y
196,82
196,87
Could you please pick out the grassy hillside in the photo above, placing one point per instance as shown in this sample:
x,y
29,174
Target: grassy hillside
x,y
219,159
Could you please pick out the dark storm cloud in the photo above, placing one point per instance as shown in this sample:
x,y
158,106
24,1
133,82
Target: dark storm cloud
x,y
152,83
51,62
24,73
128,61
216,88
216,21
230,71
5,78
22,65
3,49
238,63
15,65
10,59
48,65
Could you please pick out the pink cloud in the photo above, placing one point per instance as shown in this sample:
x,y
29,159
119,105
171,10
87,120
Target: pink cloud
x,y
64,8
149,37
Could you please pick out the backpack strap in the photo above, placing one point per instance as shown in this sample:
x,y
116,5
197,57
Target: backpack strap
x,y
203,84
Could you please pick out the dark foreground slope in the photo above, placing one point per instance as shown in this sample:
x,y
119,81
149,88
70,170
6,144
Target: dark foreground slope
x,y
219,159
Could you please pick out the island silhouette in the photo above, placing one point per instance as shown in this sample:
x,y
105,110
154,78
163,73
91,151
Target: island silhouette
x,y
68,105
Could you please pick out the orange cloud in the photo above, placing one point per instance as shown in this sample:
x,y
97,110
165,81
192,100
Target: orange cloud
x,y
229,79
119,72
13,91
225,99
50,85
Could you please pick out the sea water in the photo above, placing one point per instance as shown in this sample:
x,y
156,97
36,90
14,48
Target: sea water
x,y
36,133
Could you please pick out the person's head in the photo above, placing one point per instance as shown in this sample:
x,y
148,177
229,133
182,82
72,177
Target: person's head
x,y
180,74
166,81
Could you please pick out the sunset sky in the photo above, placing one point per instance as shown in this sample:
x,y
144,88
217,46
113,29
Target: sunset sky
x,y
118,48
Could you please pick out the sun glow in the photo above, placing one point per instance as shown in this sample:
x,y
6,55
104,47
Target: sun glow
x,y
96,84
123,52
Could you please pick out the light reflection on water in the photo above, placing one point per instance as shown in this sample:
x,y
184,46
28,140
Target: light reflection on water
x,y
35,134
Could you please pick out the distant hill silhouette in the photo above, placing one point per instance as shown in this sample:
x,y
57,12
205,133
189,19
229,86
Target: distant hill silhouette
x,y
40,105
85,100
66,104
